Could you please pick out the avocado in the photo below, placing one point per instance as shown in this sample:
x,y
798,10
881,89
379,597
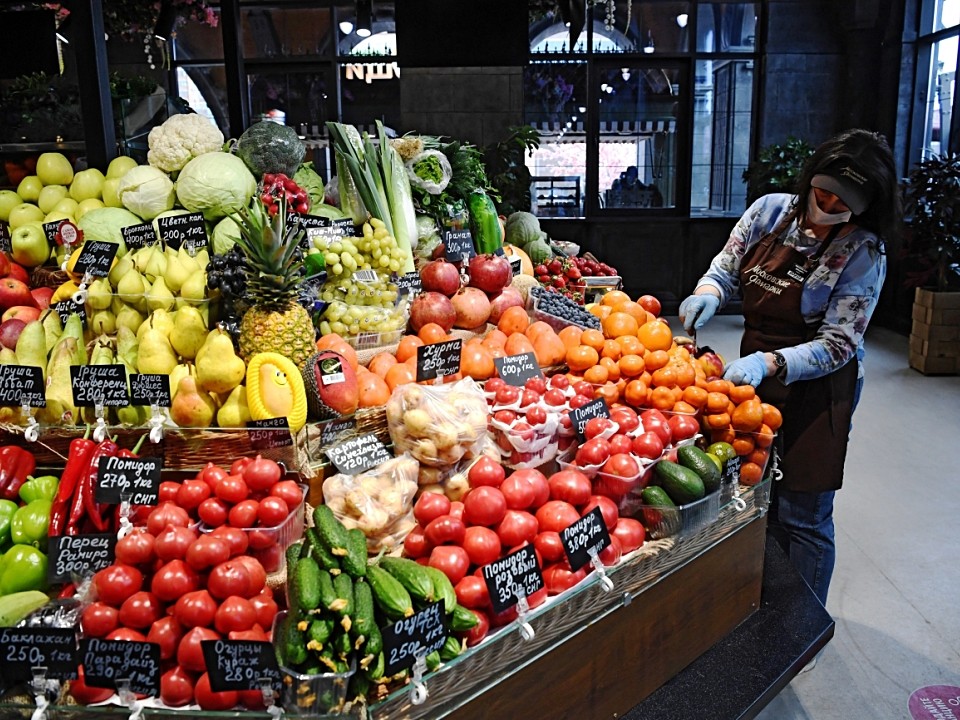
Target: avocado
x,y
682,484
695,459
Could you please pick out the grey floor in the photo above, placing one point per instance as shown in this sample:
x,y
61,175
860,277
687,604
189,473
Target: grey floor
x,y
896,588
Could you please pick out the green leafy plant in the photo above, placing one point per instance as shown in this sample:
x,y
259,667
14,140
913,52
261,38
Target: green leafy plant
x,y
933,210
776,168
507,170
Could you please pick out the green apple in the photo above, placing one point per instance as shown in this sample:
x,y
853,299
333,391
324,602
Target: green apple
x,y
50,196
29,245
111,197
54,169
24,213
29,188
86,206
57,216
86,184
68,205
8,201
118,166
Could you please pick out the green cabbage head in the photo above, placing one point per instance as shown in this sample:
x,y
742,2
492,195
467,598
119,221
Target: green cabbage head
x,y
225,234
106,224
146,191
522,228
216,184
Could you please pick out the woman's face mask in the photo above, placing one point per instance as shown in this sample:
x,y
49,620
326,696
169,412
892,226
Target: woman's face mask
x,y
819,217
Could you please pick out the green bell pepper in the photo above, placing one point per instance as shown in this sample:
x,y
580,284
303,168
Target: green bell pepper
x,y
22,568
7,510
39,488
30,523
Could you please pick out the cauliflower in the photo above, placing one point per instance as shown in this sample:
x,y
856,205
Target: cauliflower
x,y
180,139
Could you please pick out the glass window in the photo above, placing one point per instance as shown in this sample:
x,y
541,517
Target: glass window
x,y
286,32
370,81
940,94
196,41
946,14
726,27
302,96
641,27
205,89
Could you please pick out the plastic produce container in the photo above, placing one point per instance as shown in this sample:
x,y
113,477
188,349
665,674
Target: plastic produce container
x,y
557,323
662,522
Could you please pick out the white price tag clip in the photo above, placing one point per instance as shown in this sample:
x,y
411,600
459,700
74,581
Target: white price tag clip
x,y
42,688
266,688
128,698
126,510
155,423
523,607
80,296
32,431
418,690
100,431
605,582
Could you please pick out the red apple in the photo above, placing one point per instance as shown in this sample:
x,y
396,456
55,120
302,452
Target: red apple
x,y
18,272
15,292
42,296
712,364
21,312
9,332
4,265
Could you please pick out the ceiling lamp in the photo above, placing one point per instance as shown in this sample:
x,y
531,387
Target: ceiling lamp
x,y
682,19
346,27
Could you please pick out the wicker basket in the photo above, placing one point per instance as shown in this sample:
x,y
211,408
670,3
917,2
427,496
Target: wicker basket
x,y
49,276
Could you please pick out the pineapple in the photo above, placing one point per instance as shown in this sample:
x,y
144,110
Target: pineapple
x,y
275,322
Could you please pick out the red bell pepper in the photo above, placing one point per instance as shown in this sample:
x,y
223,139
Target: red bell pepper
x,y
16,464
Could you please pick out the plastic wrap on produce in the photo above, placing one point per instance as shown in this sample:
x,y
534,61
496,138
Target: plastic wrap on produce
x,y
452,481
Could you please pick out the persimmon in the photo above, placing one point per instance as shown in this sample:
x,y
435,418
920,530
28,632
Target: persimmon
x,y
373,390
630,345
717,421
662,398
695,396
717,402
685,374
496,337
593,338
609,392
408,347
596,375
400,374
513,319
665,377
570,335
549,349
764,436
582,357
771,416
655,335
432,333
635,393
381,362
518,343
747,417
534,329
619,323
720,386
683,408
477,363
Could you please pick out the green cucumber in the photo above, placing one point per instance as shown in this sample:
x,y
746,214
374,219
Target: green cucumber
x,y
442,588
462,619
389,594
412,576
355,561
332,533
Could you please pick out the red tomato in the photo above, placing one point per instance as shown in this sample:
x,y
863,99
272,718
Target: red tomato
x,y
556,515
212,474
472,593
456,510
86,695
116,583
612,553
608,508
482,545
445,529
251,699
650,304
167,633
209,700
213,512
506,417
571,486
257,575
168,492
484,506
176,687
451,560
476,634
140,610
207,551
621,465
654,421
235,538
593,452
579,400
647,445
272,511
626,418
173,580
416,545
558,578
166,514
172,543
683,427
518,493
537,415
262,474
485,471
536,384
596,426
99,619
507,395
195,609
136,548
289,491
430,506
528,398
265,608
555,397
630,533
493,384
620,443
127,635
189,652
235,614
244,513
232,489
549,545
192,493
516,527
255,633
561,382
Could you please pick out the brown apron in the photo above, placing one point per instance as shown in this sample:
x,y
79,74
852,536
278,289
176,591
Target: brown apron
x,y
812,441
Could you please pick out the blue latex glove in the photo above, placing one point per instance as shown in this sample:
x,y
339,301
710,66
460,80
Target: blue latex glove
x,y
696,310
749,370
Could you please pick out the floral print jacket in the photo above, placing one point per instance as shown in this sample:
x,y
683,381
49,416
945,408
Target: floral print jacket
x,y
839,295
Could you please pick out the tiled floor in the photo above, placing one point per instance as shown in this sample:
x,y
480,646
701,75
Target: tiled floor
x,y
896,589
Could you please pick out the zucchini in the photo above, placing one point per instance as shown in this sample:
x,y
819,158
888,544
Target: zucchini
x,y
306,584
442,588
462,619
355,561
331,531
412,576
390,596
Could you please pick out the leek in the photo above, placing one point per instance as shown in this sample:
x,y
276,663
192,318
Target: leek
x,y
401,200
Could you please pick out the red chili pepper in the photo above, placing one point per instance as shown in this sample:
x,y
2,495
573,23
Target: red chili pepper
x,y
96,512
16,464
78,458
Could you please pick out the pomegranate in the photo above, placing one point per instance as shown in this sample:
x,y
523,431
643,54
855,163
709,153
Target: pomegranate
x,y
490,273
473,308
440,276
510,297
432,307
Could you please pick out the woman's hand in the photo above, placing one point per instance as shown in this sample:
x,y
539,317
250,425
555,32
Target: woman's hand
x,y
697,309
749,370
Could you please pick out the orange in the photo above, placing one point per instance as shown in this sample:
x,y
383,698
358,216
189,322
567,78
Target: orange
x,y
597,375
764,437
748,416
656,360
570,336
582,357
717,402
613,370
750,473
408,347
432,333
630,345
381,362
646,377
513,319
719,385
634,310
717,421
374,390
592,338
695,396
534,329
742,393
726,435
743,444
759,456
655,335
685,374
614,298
631,365
665,377
496,337
635,393
601,311
400,374
662,398
684,408
771,416
611,349
619,323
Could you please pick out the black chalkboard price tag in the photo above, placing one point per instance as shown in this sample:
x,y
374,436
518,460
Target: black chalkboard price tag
x,y
240,664
5,245
586,534
99,383
517,369
139,477
512,577
354,456
79,555
105,662
187,231
66,308
731,471
319,232
150,389
416,636
438,359
409,284
96,258
516,264
269,434
333,430
21,383
593,409
50,229
22,649
139,236
458,245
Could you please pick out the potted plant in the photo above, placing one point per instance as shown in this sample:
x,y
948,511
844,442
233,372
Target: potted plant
x,y
933,263
776,168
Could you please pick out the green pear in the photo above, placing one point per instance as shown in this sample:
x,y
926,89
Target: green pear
x,y
52,327
130,317
156,266
103,322
59,392
8,357
219,369
32,345
194,290
123,266
161,320
131,287
155,354
179,269
189,332
234,413
135,415
192,407
159,296
179,373
100,294
202,258
73,328
142,256
128,346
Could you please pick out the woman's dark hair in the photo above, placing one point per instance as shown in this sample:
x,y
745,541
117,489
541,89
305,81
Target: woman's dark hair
x,y
869,154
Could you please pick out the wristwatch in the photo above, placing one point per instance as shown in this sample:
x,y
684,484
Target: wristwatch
x,y
781,362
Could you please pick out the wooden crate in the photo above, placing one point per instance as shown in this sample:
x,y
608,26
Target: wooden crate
x,y
935,335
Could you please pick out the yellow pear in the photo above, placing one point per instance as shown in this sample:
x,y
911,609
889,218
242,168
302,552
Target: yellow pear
x,y
155,354
159,296
219,368
192,407
179,373
189,332
234,413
